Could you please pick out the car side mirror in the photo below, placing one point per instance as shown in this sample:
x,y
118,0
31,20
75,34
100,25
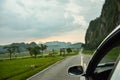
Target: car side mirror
x,y
75,70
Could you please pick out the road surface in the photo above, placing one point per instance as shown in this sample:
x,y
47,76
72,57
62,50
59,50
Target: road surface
x,y
59,70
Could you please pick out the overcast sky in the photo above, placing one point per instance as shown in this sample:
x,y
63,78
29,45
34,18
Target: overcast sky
x,y
46,20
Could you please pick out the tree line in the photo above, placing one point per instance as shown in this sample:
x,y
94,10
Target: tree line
x,y
35,50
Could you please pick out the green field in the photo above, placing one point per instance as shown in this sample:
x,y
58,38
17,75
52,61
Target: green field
x,y
22,68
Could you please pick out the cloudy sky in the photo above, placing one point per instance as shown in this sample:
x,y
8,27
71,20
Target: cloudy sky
x,y
46,20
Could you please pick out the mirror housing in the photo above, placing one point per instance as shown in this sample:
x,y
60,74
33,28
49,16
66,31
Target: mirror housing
x,y
75,70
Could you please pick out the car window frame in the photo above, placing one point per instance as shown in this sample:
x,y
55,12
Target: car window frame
x,y
111,41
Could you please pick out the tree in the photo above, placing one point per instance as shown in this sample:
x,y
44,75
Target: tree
x,y
11,49
69,50
43,47
34,50
30,49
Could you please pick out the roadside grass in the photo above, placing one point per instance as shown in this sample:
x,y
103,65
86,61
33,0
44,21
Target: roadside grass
x,y
12,68
75,52
27,55
14,56
22,68
90,52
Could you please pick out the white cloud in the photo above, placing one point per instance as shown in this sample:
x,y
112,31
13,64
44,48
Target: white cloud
x,y
73,8
12,7
96,1
23,20
79,20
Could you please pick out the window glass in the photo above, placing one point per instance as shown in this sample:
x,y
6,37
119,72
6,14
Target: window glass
x,y
106,65
111,56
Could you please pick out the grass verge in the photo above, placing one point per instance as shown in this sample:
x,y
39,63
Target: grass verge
x,y
90,52
22,68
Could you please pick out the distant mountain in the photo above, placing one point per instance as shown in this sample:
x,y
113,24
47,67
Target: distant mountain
x,y
2,51
56,45
76,45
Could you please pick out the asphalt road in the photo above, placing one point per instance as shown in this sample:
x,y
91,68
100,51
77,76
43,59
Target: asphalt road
x,y
59,70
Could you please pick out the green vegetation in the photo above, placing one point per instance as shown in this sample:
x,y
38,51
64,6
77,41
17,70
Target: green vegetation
x,y
100,27
43,47
34,50
11,49
88,52
69,50
22,68
114,53
13,68
14,56
74,52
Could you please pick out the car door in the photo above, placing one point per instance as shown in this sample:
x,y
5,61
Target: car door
x,y
107,64
104,58
115,74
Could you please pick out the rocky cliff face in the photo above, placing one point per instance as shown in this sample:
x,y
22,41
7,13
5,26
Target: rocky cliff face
x,y
100,27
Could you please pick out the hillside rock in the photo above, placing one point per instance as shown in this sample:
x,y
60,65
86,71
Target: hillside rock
x,y
100,27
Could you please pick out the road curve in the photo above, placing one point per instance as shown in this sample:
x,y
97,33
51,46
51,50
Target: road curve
x,y
59,70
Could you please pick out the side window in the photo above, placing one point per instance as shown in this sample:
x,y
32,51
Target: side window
x,y
106,65
111,56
